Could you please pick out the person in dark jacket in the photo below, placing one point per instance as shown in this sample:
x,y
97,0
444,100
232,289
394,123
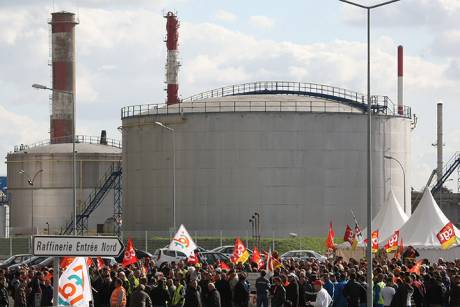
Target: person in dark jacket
x,y
292,291
213,297
435,291
192,295
278,293
160,294
140,298
403,295
223,286
302,283
353,291
4,299
454,294
103,289
241,292
47,293
262,289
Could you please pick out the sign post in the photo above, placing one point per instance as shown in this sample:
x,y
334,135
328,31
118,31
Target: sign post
x,y
72,246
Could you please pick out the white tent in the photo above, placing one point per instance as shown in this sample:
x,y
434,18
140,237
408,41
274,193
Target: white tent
x,y
390,217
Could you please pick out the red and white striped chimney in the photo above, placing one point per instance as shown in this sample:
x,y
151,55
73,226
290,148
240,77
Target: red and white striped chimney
x,y
63,66
172,62
400,81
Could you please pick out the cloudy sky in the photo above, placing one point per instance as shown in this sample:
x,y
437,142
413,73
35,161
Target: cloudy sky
x,y
121,56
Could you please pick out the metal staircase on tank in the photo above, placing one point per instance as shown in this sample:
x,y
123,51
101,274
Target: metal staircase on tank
x,y
110,180
449,168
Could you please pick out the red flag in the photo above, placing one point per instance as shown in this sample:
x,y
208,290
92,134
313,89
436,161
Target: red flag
x,y
257,259
416,268
100,263
375,241
400,250
130,254
392,244
223,265
240,252
65,262
89,261
330,238
348,236
193,259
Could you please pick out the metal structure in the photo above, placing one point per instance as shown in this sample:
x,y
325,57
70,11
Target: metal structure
x,y
439,141
95,199
288,156
404,177
449,168
400,80
172,62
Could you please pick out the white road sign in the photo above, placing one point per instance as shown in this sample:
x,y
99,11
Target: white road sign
x,y
76,246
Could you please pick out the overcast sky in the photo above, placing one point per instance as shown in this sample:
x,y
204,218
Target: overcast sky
x,y
121,56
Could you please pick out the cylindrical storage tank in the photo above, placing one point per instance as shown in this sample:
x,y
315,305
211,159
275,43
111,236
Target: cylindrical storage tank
x,y
295,153
50,197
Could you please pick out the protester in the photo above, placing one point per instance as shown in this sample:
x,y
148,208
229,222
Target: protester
x,y
118,297
262,289
323,299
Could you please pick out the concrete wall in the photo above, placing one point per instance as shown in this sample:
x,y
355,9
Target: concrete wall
x,y
52,190
298,170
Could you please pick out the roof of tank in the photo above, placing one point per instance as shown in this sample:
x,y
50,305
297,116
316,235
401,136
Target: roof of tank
x,y
67,148
271,96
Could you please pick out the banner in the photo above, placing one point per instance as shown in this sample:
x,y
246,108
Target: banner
x,y
375,241
130,254
392,244
348,236
74,284
240,252
183,242
330,238
446,236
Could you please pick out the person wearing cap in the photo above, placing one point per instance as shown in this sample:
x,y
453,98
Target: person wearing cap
x,y
262,289
323,299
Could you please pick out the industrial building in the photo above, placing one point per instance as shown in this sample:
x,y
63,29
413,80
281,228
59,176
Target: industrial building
x,y
40,176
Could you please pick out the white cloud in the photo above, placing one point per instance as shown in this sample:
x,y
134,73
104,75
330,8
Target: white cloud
x,y
263,22
225,16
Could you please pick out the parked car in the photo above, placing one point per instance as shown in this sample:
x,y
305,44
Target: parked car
x,y
303,255
164,255
15,259
29,263
212,258
227,250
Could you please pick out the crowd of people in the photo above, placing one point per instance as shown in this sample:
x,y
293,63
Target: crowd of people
x,y
296,283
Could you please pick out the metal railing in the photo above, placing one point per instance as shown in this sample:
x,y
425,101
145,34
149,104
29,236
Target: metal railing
x,y
79,139
324,98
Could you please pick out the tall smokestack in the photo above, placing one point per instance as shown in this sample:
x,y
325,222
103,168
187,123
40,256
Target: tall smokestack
x,y
172,63
400,81
439,143
63,66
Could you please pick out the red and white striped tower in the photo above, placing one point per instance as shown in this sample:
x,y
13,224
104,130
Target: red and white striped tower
x,y
63,66
400,81
172,63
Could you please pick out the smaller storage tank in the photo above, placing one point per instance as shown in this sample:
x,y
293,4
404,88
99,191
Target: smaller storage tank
x,y
41,189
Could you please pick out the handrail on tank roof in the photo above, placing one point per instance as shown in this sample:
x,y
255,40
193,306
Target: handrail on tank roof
x,y
79,139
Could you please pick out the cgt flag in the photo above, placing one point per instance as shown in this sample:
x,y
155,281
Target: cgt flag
x,y
130,254
183,242
392,244
74,284
446,236
330,238
257,259
375,241
240,252
348,236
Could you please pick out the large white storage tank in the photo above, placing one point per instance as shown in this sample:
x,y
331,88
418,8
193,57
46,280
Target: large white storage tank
x,y
50,198
293,152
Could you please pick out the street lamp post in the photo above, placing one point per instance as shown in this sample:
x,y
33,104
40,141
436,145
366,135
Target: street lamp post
x,y
172,130
74,172
31,181
369,140
404,177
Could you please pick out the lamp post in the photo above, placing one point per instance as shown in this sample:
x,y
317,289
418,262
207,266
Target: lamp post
x,y
369,140
172,130
404,177
251,221
74,172
48,227
31,181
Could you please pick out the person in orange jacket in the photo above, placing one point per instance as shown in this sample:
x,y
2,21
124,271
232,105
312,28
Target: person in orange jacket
x,y
118,297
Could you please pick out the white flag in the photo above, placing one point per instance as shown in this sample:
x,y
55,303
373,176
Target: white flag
x,y
75,285
183,242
